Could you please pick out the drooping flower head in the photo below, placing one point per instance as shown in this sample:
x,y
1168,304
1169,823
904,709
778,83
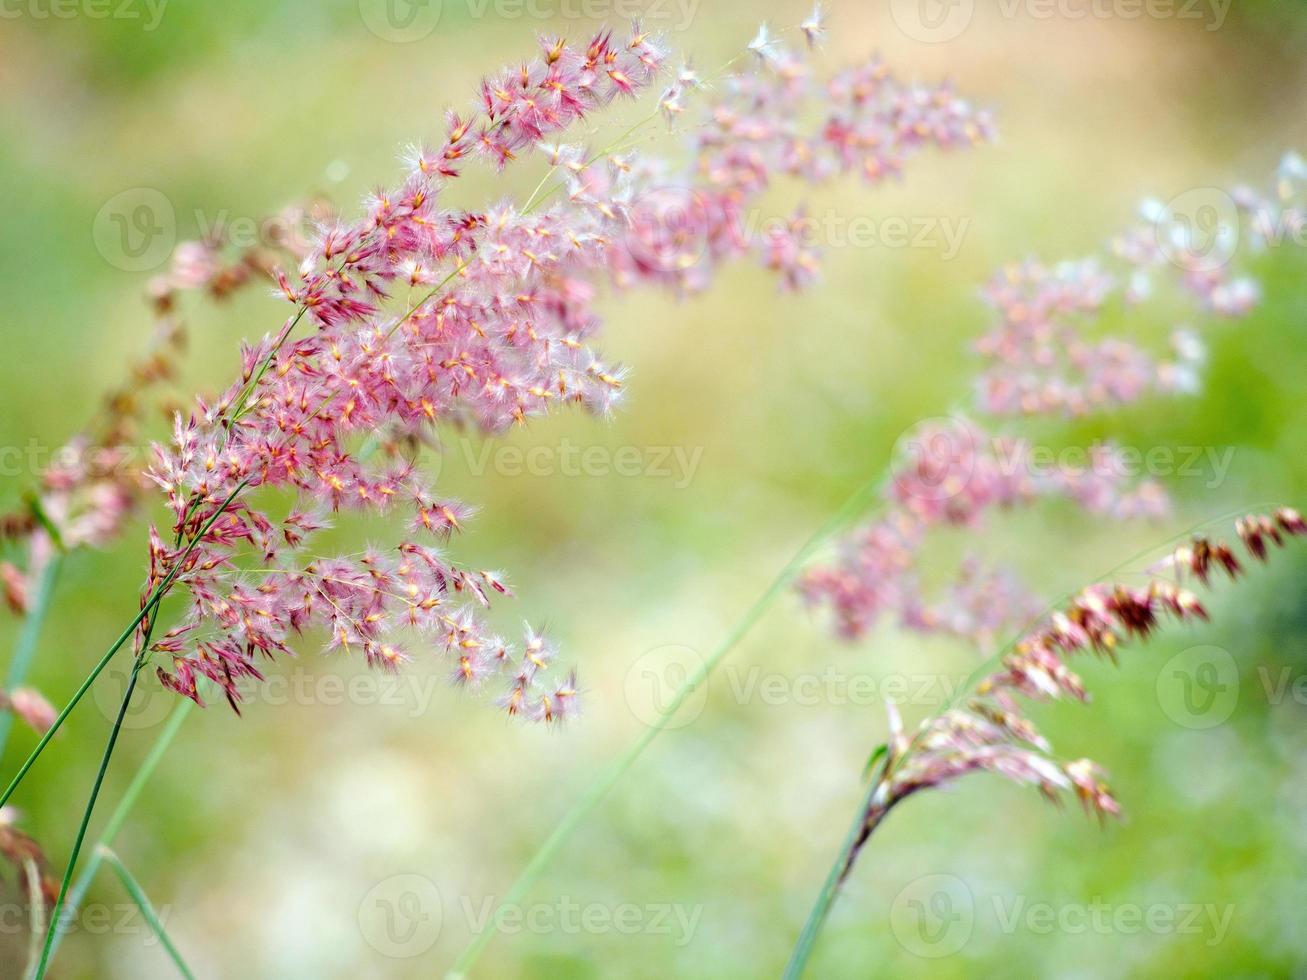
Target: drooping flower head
x,y
418,314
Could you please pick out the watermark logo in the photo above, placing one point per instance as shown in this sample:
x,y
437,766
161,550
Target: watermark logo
x,y
933,916
136,230
932,21
657,684
670,229
1198,229
149,706
937,459
934,460
938,21
401,21
405,21
401,917
1199,687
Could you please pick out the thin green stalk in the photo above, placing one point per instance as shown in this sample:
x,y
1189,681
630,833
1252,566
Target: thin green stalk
x,y
30,639
238,410
77,696
139,897
596,791
151,603
869,816
55,913
118,818
830,888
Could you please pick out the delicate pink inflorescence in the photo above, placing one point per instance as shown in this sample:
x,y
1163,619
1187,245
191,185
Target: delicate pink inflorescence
x,y
989,732
94,483
425,315
1041,357
954,472
28,860
31,707
1037,360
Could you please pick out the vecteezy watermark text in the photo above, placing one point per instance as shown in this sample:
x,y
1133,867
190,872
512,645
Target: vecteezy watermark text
x,y
1104,459
568,459
938,21
940,233
402,917
406,21
148,12
936,915
92,919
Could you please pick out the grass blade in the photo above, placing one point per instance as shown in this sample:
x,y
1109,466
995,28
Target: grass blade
x,y
596,791
77,893
147,910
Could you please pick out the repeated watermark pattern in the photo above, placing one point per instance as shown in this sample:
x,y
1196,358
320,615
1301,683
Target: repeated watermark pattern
x,y
407,21
402,917
833,685
147,13
1198,688
1202,228
940,21
656,678
937,915
939,457
835,230
661,676
1210,464
408,693
1283,685
676,464
136,230
90,919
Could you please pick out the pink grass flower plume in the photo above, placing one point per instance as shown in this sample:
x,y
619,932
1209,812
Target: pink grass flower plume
x,y
952,473
29,705
988,731
1042,359
424,315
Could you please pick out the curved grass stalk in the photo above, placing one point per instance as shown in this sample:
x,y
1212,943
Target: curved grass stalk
x,y
77,893
870,815
599,788
830,887
110,745
147,910
151,604
30,639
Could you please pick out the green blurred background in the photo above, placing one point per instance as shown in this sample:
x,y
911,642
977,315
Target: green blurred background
x,y
274,841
